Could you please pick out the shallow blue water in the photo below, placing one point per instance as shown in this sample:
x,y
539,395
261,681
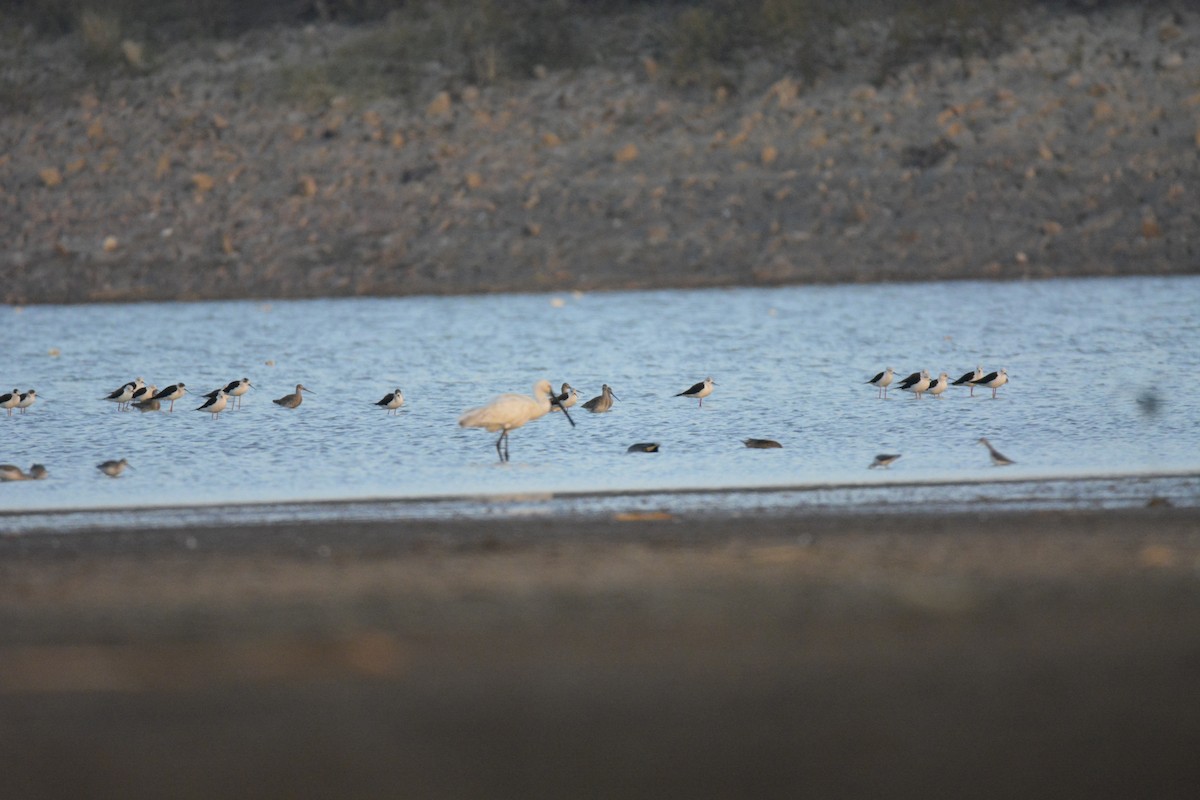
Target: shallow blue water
x,y
1101,374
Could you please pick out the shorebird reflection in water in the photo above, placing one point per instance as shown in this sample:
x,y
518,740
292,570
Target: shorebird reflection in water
x,y
882,381
507,412
392,401
998,458
294,399
598,405
215,405
699,391
113,468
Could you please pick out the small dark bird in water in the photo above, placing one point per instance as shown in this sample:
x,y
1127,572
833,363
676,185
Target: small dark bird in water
x,y
643,447
761,444
884,460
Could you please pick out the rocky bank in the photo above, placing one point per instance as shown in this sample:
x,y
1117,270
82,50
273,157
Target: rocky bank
x,y
1072,152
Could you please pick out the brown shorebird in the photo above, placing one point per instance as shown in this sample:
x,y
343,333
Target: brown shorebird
x,y
292,400
998,458
598,405
113,468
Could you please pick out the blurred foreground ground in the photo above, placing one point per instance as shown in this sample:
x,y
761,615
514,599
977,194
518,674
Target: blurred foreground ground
x,y
980,655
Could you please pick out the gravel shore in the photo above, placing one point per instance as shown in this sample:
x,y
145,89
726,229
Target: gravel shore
x,y
990,654
229,169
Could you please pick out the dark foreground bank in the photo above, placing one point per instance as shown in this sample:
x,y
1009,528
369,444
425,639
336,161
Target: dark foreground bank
x,y
981,655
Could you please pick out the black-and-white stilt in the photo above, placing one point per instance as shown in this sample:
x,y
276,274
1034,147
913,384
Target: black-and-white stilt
x,y
940,385
294,399
882,381
215,405
917,383
171,394
884,460
761,444
567,398
507,412
392,401
123,395
27,399
699,391
598,405
142,393
236,389
993,381
9,400
998,458
970,379
113,468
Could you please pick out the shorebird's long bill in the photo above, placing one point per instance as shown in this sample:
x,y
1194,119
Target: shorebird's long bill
x,y
563,409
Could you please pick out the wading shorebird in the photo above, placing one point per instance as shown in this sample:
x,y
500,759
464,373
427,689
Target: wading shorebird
x,y
916,383
113,468
761,444
882,381
142,393
940,385
643,447
970,379
392,401
598,405
171,394
27,399
215,405
993,381
9,400
699,391
38,472
507,412
294,399
148,405
998,458
567,398
236,389
123,395
884,460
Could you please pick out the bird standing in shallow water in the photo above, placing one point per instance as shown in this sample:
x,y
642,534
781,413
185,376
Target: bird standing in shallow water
x,y
9,400
171,393
940,385
884,460
917,383
508,412
761,444
392,400
294,399
27,399
970,379
113,468
123,395
567,398
699,391
882,381
643,447
236,389
993,381
216,404
598,405
998,458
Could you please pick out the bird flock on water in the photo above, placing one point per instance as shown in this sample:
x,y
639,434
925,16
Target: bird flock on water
x,y
503,414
